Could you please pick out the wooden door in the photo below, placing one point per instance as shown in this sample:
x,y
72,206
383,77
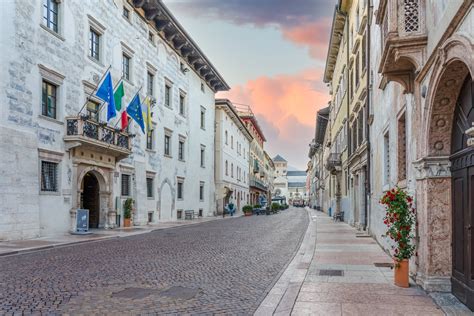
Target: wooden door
x,y
462,172
90,199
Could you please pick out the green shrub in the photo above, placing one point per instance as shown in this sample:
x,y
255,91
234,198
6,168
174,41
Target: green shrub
x,y
247,209
275,206
127,208
257,206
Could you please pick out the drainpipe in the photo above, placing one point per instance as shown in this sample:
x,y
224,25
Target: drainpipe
x,y
367,110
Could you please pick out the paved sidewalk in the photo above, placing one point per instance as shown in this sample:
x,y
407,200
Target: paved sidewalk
x,y
22,246
313,286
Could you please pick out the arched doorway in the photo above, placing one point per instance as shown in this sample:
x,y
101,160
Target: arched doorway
x,y
91,198
462,173
166,204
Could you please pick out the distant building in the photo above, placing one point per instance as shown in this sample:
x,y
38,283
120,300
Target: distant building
x,y
280,183
232,157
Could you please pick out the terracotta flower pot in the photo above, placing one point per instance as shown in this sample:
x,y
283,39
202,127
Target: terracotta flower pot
x,y
127,222
401,269
248,214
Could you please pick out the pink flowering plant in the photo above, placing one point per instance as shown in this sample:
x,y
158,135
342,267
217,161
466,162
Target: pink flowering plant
x,y
400,219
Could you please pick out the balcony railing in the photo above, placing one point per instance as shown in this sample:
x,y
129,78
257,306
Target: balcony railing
x,y
258,184
404,39
97,135
333,161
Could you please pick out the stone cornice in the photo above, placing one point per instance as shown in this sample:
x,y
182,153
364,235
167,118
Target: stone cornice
x,y
432,168
227,106
169,29
337,31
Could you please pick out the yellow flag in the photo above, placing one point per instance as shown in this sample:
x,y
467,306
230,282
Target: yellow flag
x,y
146,109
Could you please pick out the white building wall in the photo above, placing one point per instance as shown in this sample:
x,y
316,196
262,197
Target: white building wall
x,y
235,158
26,44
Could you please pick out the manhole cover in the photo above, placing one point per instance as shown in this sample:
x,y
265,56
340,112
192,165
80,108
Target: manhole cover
x,y
383,264
180,293
134,293
331,272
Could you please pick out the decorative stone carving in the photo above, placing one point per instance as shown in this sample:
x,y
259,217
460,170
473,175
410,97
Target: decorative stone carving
x,y
470,133
432,167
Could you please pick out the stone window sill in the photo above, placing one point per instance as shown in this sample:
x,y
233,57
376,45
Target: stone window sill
x,y
168,156
52,32
150,198
95,61
51,193
152,151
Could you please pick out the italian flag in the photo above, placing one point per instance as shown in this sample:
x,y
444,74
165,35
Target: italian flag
x,y
118,96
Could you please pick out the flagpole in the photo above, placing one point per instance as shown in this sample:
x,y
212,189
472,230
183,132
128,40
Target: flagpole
x,y
118,121
95,89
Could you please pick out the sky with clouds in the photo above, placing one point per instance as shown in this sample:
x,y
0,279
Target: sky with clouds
x,y
272,53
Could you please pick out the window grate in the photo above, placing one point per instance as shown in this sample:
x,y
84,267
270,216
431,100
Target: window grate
x,y
49,176
412,17
125,185
149,187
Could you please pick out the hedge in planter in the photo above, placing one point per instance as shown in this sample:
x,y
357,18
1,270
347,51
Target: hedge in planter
x,y
247,209
400,219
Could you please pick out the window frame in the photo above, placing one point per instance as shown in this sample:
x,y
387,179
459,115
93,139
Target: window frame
x,y
46,21
201,191
181,148
94,46
203,156
202,118
56,176
182,103
150,181
129,184
167,146
150,81
45,82
168,94
126,66
180,189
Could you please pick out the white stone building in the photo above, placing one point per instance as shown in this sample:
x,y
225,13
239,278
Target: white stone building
x,y
280,182
55,161
232,146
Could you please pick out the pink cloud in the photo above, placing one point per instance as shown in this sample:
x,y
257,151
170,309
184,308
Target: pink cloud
x,y
314,35
286,106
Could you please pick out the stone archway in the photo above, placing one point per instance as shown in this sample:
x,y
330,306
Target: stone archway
x,y
106,213
166,201
453,63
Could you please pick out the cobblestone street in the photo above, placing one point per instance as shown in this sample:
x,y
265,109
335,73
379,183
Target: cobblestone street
x,y
215,267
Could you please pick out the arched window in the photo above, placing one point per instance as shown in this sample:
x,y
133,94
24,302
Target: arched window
x,y
226,136
232,142
232,170
226,168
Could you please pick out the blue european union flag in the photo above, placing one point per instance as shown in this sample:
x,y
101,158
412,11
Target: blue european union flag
x,y
134,110
106,93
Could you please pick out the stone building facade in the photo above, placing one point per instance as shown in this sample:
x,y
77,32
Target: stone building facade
x,y
417,128
422,109
257,172
231,157
58,158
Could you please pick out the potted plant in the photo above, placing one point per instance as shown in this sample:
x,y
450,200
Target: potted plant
x,y
275,208
400,219
247,209
127,212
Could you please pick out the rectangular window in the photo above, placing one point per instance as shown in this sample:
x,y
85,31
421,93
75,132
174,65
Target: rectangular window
x,y
149,139
364,62
126,13
94,44
360,125
402,148
356,61
149,187
180,189
150,80
125,185
203,118
386,141
151,37
203,158
201,191
181,150
93,110
49,100
167,145
182,100
49,176
167,95
50,14
125,67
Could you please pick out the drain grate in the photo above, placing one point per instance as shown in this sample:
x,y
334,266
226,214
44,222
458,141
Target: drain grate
x,y
331,272
134,293
180,293
383,264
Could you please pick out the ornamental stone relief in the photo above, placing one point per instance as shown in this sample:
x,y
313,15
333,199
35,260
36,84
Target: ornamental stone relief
x,y
432,167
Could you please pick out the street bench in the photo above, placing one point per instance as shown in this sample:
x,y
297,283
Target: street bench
x,y
338,217
189,214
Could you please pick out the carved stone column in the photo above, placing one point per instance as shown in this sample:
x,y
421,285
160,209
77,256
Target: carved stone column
x,y
434,217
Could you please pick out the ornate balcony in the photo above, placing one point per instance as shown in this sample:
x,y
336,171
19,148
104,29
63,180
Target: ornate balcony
x,y
333,162
258,184
82,131
403,41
